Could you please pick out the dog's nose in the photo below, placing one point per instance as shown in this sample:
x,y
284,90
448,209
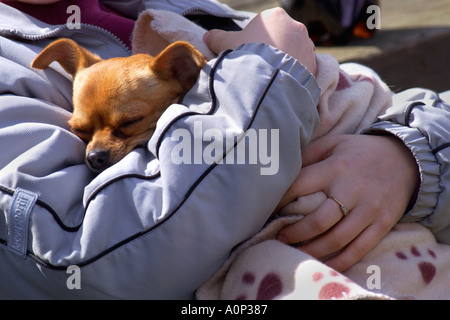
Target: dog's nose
x,y
98,160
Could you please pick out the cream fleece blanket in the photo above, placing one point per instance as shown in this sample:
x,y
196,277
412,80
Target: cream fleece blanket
x,y
407,263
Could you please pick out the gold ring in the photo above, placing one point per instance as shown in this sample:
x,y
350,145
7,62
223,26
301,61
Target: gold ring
x,y
341,205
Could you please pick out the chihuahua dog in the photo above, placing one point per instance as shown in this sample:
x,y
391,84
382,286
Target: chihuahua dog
x,y
117,102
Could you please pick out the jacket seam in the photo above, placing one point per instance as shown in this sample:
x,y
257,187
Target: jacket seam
x,y
211,109
409,110
47,207
163,132
176,208
440,148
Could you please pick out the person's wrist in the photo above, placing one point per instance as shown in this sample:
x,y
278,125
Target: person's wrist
x,y
412,172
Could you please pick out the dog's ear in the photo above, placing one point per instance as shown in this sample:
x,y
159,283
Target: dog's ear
x,y
179,61
68,54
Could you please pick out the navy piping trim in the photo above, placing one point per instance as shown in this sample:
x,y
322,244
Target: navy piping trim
x,y
46,207
213,101
186,196
55,215
410,108
440,148
408,114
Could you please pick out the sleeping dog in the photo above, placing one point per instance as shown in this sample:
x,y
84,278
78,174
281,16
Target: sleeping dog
x,y
117,102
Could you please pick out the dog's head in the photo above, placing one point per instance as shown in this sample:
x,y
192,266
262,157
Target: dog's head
x,y
117,102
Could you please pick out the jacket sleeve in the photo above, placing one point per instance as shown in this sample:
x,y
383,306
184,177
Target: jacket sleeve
x,y
421,119
163,220
225,156
219,187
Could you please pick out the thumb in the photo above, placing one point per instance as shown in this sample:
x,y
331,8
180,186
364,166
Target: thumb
x,y
218,40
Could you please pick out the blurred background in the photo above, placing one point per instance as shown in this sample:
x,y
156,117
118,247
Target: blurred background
x,y
411,48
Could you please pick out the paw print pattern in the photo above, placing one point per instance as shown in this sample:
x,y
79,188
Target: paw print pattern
x,y
336,289
269,287
427,269
330,285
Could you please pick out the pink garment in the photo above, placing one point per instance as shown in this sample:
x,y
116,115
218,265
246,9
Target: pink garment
x,y
92,12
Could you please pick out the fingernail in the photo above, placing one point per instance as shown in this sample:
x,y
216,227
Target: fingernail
x,y
206,37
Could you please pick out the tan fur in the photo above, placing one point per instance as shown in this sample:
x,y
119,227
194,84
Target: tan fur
x,y
118,101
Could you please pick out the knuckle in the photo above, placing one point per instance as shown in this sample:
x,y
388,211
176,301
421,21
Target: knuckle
x,y
277,11
318,226
301,28
341,164
375,206
277,15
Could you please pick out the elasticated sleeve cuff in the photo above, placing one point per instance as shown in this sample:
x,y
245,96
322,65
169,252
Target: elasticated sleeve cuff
x,y
426,199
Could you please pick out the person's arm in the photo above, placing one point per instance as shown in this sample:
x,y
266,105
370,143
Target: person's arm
x,y
164,219
209,208
397,171
374,177
421,120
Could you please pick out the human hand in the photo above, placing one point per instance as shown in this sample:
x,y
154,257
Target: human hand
x,y
375,177
273,27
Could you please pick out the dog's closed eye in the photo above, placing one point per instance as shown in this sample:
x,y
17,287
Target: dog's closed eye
x,y
125,129
131,122
83,134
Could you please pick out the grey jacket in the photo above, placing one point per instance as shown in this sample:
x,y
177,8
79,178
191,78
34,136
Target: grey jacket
x,y
421,118
151,226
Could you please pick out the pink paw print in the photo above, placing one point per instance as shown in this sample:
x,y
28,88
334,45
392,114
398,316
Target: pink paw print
x,y
322,285
427,269
334,289
269,287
